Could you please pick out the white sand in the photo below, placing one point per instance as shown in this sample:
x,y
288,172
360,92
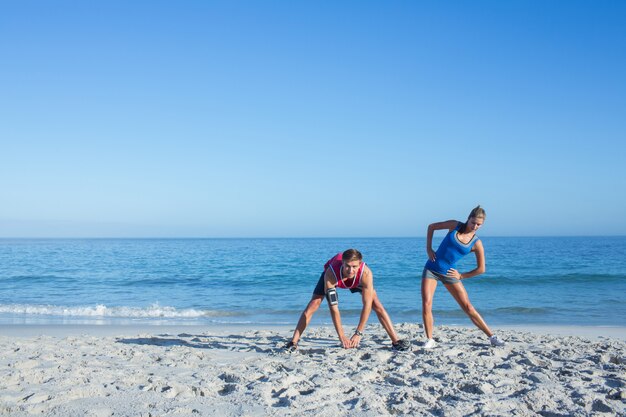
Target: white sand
x,y
163,371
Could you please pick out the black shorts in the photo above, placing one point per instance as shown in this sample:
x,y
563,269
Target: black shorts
x,y
319,288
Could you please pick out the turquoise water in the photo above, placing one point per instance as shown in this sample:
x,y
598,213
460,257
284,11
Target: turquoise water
x,y
560,280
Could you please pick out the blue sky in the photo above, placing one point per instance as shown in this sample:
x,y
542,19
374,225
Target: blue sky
x,y
296,119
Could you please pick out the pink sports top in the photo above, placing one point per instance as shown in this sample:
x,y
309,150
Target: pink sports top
x,y
335,263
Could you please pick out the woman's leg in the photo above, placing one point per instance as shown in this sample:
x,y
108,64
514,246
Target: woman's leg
x,y
461,297
428,291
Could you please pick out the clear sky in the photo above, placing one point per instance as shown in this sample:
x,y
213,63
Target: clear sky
x,y
311,119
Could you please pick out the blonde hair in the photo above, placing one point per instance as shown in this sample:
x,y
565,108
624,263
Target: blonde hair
x,y
477,212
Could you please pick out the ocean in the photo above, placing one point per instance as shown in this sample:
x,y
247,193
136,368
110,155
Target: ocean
x,y
529,280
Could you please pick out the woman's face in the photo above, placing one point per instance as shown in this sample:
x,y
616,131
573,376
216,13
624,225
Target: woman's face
x,y
474,223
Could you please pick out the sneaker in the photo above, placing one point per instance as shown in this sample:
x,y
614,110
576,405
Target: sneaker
x,y
290,347
495,341
429,344
401,345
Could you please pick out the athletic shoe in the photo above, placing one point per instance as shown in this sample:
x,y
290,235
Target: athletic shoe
x,y
401,345
429,344
290,347
495,341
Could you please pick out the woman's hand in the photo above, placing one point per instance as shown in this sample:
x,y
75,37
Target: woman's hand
x,y
453,273
431,254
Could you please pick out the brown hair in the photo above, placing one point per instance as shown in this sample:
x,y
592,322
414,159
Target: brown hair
x,y
351,255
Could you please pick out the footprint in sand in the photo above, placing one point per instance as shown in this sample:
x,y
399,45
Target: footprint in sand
x,y
231,383
230,378
395,381
228,389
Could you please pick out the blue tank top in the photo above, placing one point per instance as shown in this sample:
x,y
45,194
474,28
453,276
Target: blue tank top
x,y
450,251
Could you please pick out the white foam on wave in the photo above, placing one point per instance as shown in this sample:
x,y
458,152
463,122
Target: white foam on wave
x,y
100,310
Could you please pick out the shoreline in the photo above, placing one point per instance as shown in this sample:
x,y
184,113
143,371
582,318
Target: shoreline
x,y
615,332
104,330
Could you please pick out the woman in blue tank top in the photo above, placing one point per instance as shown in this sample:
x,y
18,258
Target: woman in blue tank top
x,y
441,266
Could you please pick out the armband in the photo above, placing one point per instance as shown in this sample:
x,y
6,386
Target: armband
x,y
331,296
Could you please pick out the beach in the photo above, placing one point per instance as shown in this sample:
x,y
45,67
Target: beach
x,y
186,182
241,370
184,327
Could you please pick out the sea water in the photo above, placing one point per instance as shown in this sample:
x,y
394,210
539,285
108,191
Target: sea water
x,y
529,280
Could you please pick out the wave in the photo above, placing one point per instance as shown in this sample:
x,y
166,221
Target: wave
x,y
539,279
102,311
35,279
523,310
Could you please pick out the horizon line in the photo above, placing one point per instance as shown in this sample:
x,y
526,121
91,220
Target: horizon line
x,y
271,237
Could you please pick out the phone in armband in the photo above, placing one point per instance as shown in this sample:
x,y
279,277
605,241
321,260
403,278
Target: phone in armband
x,y
331,296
